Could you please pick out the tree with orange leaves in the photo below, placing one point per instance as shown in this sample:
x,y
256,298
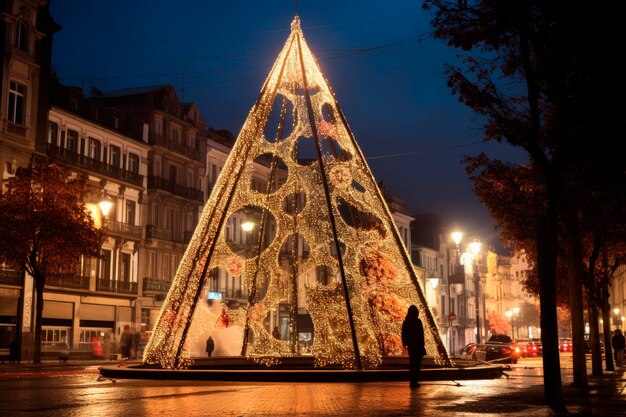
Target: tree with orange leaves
x,y
45,228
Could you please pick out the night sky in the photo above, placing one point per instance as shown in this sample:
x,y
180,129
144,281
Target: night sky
x,y
379,57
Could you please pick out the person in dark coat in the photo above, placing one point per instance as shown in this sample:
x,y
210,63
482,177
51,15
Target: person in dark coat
x,y
618,343
126,341
413,340
14,351
210,346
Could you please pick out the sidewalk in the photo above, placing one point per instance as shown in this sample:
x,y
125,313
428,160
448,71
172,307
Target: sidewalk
x,y
519,395
48,368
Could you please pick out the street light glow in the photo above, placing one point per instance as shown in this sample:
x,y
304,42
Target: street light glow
x,y
475,246
456,237
616,311
515,310
247,226
105,206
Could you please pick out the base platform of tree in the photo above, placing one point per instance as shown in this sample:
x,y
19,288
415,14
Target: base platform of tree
x,y
300,369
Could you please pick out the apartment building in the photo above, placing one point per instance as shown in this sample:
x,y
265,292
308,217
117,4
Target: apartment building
x,y
26,31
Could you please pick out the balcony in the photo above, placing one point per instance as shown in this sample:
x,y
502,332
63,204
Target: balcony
x,y
176,189
90,164
153,232
73,281
156,286
10,277
179,148
231,293
123,229
119,287
16,129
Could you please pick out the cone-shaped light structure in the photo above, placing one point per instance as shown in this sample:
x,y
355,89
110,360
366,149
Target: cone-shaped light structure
x,y
320,256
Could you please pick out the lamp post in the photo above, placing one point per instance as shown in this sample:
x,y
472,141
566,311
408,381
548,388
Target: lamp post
x,y
509,315
515,321
616,320
246,227
475,249
456,238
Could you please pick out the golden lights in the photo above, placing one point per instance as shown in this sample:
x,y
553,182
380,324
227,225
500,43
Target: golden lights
x,y
289,252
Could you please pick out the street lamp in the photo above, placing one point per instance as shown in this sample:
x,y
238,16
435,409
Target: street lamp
x,y
475,249
616,312
105,206
509,314
247,227
515,321
456,238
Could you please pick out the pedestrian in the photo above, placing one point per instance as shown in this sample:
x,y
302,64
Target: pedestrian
x,y
96,346
276,333
14,350
126,341
210,346
618,343
413,340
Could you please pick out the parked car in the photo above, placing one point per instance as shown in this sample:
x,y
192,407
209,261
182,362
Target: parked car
x,y
499,348
539,346
529,347
524,347
468,351
565,344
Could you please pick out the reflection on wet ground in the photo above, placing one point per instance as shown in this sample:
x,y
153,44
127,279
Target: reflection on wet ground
x,y
518,395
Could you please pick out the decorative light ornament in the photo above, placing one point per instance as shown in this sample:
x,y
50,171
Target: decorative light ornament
x,y
332,250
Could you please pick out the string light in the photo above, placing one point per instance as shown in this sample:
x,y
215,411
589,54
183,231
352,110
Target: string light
x,y
380,280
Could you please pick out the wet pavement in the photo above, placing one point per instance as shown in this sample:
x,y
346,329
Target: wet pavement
x,y
77,390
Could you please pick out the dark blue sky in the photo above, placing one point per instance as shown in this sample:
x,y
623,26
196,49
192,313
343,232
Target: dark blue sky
x,y
383,65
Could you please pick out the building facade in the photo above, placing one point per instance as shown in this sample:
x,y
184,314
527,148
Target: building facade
x,y
26,31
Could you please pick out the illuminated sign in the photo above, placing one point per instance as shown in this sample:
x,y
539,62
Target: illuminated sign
x,y
214,295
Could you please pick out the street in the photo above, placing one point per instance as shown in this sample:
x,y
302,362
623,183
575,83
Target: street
x,y
83,394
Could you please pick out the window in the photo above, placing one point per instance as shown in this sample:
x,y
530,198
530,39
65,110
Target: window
x,y
55,336
173,175
151,269
166,267
94,149
125,267
130,212
21,36
105,265
53,133
72,140
116,154
176,135
133,163
17,103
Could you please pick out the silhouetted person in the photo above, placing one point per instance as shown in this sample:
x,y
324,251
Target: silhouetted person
x,y
210,346
14,350
618,343
413,340
126,341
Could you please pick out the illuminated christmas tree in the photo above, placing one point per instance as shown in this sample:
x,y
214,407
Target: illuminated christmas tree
x,y
319,240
